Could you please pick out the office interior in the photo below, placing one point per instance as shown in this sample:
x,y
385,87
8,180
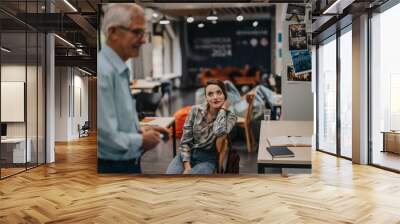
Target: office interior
x,y
48,87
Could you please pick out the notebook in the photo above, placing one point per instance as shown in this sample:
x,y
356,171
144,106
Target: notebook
x,y
280,152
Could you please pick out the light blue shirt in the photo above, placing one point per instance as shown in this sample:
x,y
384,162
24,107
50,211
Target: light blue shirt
x,y
118,133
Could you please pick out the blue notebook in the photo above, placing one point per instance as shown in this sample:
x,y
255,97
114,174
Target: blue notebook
x,y
280,152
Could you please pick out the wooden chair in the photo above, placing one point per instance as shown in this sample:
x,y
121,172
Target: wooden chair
x,y
245,122
222,148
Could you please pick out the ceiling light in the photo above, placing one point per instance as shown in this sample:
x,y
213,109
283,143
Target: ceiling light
x,y
65,41
43,7
200,25
155,15
255,23
190,19
214,22
5,50
239,18
79,50
164,21
70,5
213,16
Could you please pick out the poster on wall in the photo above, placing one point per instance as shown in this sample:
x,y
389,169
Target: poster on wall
x,y
297,37
294,11
301,66
292,76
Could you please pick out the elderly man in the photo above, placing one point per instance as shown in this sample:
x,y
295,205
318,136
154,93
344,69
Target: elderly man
x,y
121,141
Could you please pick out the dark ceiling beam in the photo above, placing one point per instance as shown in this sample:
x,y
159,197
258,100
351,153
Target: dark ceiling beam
x,y
226,11
91,5
49,22
232,11
86,26
82,61
16,18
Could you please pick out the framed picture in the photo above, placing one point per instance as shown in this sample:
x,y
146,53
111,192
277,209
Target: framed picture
x,y
297,37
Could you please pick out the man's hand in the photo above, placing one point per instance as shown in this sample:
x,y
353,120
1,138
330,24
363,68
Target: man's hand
x,y
150,139
145,128
162,130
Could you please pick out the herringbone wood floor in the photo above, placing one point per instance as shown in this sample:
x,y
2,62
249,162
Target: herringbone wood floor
x,y
70,191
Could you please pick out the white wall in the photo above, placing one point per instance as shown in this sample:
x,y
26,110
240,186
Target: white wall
x,y
70,84
176,52
297,97
61,103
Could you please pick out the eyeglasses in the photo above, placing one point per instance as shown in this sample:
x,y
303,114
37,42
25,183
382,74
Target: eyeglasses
x,y
141,33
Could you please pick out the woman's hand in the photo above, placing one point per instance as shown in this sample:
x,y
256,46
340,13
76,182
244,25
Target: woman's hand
x,y
226,105
187,167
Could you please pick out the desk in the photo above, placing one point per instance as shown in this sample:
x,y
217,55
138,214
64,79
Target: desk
x,y
170,76
164,122
301,159
135,91
276,132
16,147
143,84
391,141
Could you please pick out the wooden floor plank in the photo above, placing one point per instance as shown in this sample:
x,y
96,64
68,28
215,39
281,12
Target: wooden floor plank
x,y
71,191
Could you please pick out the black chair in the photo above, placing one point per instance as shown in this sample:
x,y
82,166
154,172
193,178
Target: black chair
x,y
84,130
166,88
147,104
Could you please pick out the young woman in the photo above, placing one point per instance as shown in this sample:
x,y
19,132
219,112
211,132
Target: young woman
x,y
203,125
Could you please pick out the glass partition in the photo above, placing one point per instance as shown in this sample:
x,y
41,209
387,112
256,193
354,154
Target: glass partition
x,y
14,153
22,77
31,100
385,89
327,96
346,93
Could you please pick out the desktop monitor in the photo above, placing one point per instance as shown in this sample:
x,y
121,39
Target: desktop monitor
x,y
3,129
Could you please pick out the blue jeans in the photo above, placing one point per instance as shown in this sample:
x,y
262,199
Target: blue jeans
x,y
202,162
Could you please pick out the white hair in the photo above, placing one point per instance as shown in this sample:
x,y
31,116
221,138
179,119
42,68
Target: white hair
x,y
119,14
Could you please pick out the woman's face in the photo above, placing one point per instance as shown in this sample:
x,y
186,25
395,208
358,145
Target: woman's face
x,y
214,96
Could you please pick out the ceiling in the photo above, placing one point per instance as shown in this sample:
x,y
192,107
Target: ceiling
x,y
326,20
80,27
204,10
